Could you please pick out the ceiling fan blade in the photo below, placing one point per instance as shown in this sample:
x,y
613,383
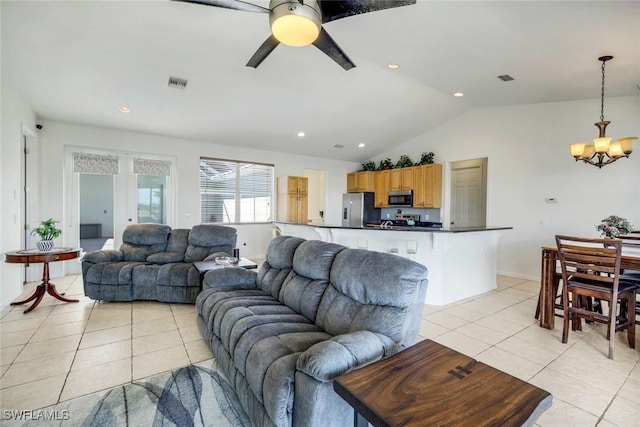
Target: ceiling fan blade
x,y
263,51
325,43
230,4
332,10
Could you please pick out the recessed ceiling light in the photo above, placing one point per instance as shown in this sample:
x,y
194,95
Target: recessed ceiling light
x,y
393,66
458,94
123,109
361,145
300,134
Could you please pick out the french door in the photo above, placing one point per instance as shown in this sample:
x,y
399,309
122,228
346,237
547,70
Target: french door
x,y
134,188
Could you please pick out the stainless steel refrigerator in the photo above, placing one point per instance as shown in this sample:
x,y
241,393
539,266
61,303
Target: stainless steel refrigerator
x,y
358,210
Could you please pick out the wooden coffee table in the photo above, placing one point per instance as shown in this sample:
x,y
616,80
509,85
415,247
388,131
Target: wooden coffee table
x,y
429,384
29,256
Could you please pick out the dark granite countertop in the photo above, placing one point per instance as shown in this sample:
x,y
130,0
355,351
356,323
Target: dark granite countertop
x,y
376,227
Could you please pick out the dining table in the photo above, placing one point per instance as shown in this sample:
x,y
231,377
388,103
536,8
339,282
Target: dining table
x,y
550,279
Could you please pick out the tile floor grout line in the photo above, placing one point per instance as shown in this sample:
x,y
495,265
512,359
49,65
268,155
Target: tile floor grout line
x,y
75,355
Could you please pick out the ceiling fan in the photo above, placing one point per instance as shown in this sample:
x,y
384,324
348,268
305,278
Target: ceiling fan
x,y
299,22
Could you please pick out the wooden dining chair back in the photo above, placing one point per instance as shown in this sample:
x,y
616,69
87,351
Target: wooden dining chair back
x,y
631,241
591,270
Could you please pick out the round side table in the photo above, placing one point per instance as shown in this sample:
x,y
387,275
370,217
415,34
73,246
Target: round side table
x,y
28,256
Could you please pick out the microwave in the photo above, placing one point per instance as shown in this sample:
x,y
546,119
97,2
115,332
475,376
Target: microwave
x,y
401,198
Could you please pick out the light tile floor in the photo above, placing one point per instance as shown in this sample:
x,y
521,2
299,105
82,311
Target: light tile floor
x,y
61,351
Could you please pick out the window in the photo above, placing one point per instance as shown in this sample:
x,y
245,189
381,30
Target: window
x,y
235,192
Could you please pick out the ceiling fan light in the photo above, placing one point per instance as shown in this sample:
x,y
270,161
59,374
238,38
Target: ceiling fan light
x,y
294,23
295,30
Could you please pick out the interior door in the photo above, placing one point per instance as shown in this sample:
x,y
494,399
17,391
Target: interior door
x,y
468,193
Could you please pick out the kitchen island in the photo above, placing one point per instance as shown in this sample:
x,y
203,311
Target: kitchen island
x,y
462,262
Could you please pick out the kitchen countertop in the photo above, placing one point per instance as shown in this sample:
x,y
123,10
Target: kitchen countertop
x,y
377,227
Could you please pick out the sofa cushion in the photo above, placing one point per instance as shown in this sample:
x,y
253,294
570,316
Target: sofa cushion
x,y
264,338
205,239
178,240
277,265
372,291
141,240
306,283
165,257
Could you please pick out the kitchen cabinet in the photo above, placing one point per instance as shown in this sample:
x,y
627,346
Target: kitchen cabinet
x,y
381,185
293,199
427,188
359,182
401,179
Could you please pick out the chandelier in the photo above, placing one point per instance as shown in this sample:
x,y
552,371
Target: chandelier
x,y
603,152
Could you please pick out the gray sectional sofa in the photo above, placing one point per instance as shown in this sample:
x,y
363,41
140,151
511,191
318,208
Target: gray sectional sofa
x,y
155,262
313,311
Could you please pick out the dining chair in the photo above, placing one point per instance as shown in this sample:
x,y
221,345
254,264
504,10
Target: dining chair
x,y
632,241
591,270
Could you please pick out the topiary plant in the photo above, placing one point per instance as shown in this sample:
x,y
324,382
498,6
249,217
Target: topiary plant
x,y
385,164
426,158
404,162
368,166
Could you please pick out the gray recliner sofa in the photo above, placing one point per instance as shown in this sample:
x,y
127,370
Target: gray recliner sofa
x,y
313,311
155,262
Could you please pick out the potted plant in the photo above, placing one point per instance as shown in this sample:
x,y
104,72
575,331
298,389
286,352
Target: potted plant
x,y
385,164
426,158
47,232
404,162
368,166
613,226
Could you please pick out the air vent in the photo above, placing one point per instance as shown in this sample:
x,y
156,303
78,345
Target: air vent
x,y
177,83
338,146
505,78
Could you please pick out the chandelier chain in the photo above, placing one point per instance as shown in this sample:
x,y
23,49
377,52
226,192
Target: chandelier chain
x,y
602,94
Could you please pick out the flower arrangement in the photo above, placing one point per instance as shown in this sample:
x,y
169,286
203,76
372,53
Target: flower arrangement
x,y
613,226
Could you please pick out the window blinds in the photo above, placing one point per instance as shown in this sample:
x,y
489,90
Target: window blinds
x,y
235,192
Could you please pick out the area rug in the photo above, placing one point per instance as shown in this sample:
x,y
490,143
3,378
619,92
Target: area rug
x,y
195,395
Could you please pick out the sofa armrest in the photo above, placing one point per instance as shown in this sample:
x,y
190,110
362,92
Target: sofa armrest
x,y
229,276
165,257
329,359
108,255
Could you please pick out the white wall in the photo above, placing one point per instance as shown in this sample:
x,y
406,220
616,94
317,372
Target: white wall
x,y
529,160
252,239
16,118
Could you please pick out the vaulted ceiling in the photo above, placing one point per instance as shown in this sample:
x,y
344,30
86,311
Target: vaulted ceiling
x,y
79,62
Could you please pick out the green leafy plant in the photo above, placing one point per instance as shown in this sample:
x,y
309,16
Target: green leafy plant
x,y
47,230
404,162
385,164
426,158
613,226
368,166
